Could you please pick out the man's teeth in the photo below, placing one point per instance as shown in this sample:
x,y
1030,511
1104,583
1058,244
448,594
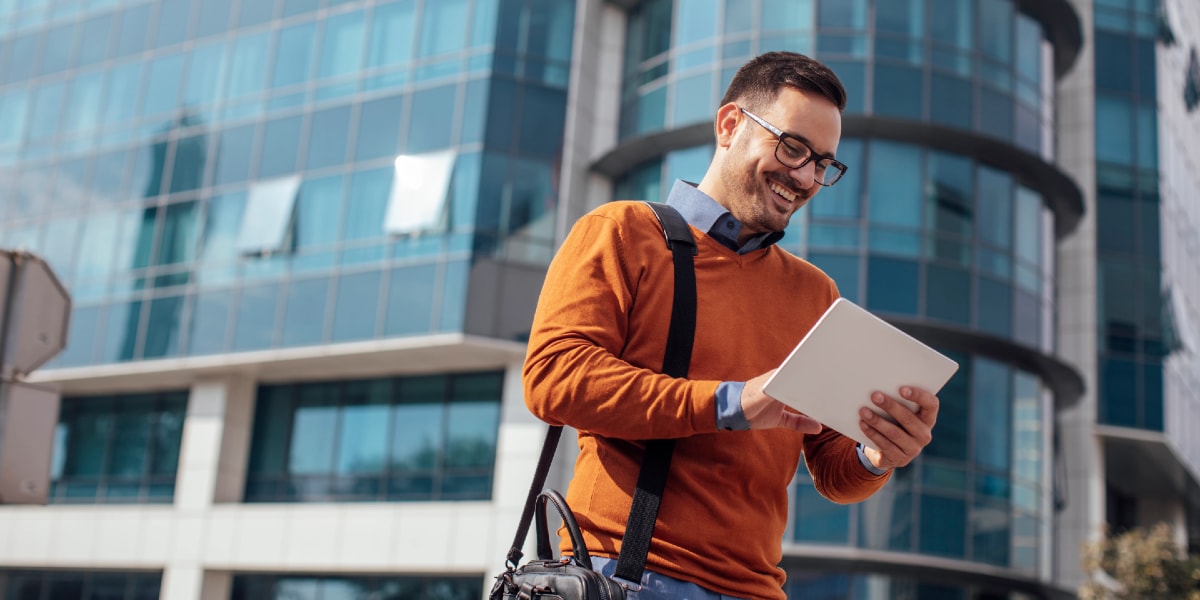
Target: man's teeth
x,y
782,192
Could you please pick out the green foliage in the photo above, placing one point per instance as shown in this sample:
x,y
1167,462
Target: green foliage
x,y
1141,564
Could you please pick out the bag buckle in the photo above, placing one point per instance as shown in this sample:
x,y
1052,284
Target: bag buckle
x,y
629,586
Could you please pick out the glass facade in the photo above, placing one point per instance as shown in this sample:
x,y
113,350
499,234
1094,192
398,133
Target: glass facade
x,y
209,177
289,587
395,439
1130,300
981,66
118,449
823,586
976,493
27,584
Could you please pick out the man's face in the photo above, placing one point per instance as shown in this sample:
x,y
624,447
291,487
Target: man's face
x,y
763,192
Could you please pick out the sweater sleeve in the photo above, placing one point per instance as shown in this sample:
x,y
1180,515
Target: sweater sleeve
x,y
574,374
837,473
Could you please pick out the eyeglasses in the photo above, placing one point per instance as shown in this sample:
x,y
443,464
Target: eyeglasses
x,y
794,153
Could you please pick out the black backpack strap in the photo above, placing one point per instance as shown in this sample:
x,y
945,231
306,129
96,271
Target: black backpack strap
x,y
652,479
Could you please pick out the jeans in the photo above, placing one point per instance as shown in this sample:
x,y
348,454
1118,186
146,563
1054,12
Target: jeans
x,y
659,587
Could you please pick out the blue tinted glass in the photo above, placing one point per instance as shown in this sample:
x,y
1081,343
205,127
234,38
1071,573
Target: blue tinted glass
x,y
1115,57
95,42
995,207
818,519
124,87
484,16
1118,392
475,106
842,14
952,439
892,285
161,94
991,530
1147,136
693,99
209,322
951,100
248,65
949,200
999,110
256,311
318,211
1152,396
367,204
172,22
991,421
212,17
134,27
943,526
47,105
902,17
410,302
314,428
894,189
120,334
357,305
739,14
191,155
57,44
342,45
165,327
81,337
392,34
898,91
304,315
295,7
543,112
379,128
432,115
272,416
234,150
996,29
253,13
853,78
786,15
205,66
842,268
13,107
281,143
688,165
327,137
222,220
22,57
951,22
442,28
995,307
363,430
177,240
294,55
695,20
1028,229
502,104
948,294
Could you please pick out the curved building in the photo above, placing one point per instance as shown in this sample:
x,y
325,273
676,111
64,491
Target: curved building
x,y
304,241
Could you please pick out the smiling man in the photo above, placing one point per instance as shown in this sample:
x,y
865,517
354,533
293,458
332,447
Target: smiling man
x,y
600,332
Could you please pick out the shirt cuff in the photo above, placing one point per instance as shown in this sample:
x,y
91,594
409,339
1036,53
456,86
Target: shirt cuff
x,y
729,406
866,462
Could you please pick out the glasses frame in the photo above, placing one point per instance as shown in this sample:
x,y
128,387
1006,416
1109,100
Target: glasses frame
x,y
823,162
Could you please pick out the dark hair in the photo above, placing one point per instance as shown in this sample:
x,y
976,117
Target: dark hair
x,y
758,82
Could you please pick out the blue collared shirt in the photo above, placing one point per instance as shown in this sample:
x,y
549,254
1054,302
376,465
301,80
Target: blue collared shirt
x,y
707,215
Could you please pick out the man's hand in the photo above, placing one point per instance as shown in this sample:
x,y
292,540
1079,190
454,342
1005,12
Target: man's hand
x,y
900,442
765,412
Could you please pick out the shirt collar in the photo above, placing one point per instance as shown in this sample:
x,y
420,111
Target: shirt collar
x,y
704,213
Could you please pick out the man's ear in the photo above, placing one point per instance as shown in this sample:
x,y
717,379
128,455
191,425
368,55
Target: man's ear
x,y
728,117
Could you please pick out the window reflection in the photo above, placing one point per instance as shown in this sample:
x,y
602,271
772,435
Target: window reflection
x,y
411,438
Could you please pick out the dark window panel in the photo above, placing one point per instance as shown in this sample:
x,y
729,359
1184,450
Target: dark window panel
x,y
943,526
304,312
892,285
256,313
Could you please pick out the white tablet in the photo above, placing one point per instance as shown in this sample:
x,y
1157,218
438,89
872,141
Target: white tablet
x,y
847,355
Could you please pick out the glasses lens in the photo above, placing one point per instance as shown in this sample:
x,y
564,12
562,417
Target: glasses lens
x,y
791,152
833,173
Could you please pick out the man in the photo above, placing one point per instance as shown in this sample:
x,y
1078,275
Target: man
x,y
599,336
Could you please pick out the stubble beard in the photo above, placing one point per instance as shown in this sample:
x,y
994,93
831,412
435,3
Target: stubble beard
x,y
747,203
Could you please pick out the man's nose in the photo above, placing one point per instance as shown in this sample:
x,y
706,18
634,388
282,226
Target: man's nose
x,y
805,176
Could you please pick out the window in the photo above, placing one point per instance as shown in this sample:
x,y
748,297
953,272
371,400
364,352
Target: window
x,y
1191,89
99,585
419,188
268,215
289,587
118,449
409,438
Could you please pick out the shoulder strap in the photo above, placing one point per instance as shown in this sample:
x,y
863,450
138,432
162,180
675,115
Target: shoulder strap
x,y
652,479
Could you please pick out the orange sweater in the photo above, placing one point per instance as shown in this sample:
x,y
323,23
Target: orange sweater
x,y
595,350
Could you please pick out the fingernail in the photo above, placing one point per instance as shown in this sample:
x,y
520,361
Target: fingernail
x,y
877,398
906,392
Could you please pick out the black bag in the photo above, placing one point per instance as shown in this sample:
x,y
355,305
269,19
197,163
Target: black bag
x,y
567,579
548,577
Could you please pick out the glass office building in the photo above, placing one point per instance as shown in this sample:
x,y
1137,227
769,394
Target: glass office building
x,y
304,240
